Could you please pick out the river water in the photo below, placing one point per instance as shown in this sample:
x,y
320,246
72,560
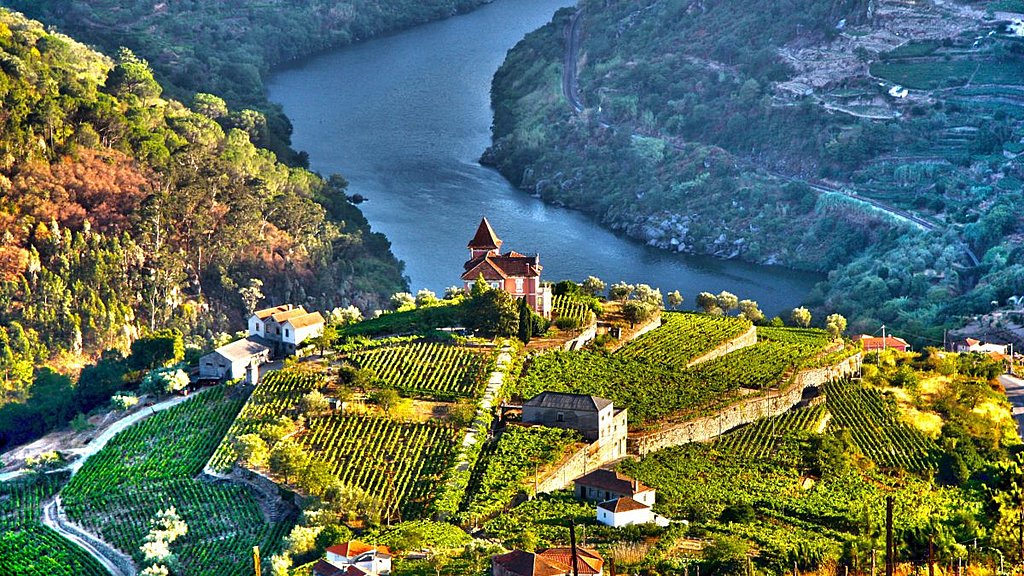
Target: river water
x,y
404,118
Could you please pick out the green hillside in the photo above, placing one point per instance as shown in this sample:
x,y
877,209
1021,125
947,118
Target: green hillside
x,y
765,131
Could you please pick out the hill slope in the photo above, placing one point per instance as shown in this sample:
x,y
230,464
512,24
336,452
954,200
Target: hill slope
x,y
765,131
122,211
228,48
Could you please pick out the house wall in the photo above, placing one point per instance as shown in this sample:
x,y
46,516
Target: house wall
x,y
586,422
617,520
256,326
213,365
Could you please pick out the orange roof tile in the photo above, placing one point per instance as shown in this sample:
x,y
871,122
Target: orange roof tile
x,y
280,317
624,504
311,319
485,238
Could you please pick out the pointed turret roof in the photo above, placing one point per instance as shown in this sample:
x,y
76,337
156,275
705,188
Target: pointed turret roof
x,y
485,238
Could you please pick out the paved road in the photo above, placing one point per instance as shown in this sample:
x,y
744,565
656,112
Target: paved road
x,y
570,86
1015,394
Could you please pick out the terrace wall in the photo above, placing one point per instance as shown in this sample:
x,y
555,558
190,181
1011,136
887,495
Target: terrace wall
x,y
748,338
586,459
754,407
276,503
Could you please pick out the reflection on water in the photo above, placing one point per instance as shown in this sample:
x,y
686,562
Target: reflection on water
x,y
405,119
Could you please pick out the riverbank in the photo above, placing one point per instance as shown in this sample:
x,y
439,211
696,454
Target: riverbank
x,y
407,117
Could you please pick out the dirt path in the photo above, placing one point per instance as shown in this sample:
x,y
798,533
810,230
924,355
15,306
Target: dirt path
x,y
101,440
1015,394
116,563
570,85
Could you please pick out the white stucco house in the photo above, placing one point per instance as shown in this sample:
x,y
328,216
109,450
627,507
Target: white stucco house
x,y
286,327
354,558
625,511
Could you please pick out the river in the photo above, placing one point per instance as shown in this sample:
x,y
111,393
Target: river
x,y
405,117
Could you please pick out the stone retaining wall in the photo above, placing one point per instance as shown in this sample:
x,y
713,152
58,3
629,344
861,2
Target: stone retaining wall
x,y
748,338
763,404
276,503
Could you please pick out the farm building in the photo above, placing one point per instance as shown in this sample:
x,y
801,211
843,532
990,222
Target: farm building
x,y
973,345
515,273
603,485
550,562
231,360
594,417
354,558
286,327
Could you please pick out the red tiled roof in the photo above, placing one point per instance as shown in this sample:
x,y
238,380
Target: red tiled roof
x,y
613,482
589,561
307,320
501,267
877,343
354,548
281,317
325,568
530,564
485,238
267,312
624,504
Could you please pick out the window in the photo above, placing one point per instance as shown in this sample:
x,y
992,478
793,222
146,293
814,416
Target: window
x,y
519,285
286,332
560,418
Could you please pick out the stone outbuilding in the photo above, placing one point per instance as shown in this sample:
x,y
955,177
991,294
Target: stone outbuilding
x,y
232,360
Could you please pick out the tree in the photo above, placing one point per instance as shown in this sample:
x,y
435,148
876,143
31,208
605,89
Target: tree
x,y
835,324
252,450
593,286
637,311
165,381
620,291
750,311
401,301
251,295
316,477
288,459
525,322
480,287
727,301
645,293
493,313
453,292
426,298
325,339
386,398
800,317
280,565
132,76
209,105
313,402
345,316
123,400
675,299
708,303
462,413
159,348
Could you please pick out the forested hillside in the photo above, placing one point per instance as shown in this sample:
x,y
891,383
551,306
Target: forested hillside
x,y
779,133
228,47
123,212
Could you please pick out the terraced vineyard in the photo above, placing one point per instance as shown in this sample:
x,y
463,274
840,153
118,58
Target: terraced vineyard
x,y
683,337
427,369
566,306
26,546
363,451
653,390
875,425
152,466
760,439
399,463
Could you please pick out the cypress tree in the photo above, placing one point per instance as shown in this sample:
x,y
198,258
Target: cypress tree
x,y
525,322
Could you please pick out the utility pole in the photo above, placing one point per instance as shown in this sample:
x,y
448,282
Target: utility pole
x,y
572,541
890,551
931,555
256,560
873,551
885,343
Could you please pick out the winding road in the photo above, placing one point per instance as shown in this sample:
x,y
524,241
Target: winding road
x,y
1015,394
570,90
116,562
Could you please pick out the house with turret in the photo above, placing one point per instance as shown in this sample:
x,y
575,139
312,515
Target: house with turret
x,y
515,273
